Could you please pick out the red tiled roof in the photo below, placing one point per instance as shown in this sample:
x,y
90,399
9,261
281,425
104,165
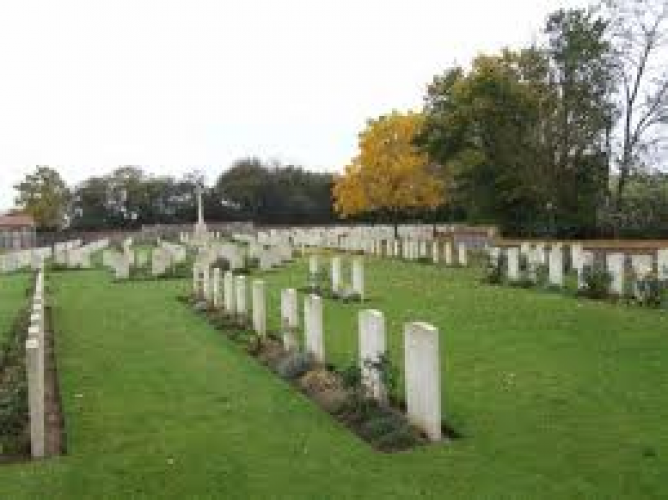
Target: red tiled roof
x,y
16,221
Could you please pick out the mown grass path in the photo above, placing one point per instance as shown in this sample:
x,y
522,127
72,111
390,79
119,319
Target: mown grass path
x,y
556,398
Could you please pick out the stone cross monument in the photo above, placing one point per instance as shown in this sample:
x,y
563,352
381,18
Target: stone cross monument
x,y
201,231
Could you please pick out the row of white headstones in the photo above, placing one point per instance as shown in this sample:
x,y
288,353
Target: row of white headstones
x,y
34,257
642,264
163,256
421,340
35,369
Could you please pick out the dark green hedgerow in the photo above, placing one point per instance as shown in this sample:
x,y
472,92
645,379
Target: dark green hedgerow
x,y
14,418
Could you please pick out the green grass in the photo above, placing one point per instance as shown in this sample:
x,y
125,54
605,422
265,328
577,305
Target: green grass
x,y
12,297
556,398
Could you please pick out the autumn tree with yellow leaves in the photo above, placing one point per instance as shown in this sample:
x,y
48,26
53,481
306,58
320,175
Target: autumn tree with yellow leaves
x,y
389,174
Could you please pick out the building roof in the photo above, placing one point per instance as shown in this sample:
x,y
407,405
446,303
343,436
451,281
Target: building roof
x,y
16,221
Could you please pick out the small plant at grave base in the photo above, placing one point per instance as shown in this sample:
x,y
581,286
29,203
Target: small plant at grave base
x,y
424,260
253,344
494,269
651,291
57,267
221,320
542,275
524,282
222,264
351,376
275,336
346,294
597,282
250,263
384,423
402,437
316,282
389,372
294,365
177,271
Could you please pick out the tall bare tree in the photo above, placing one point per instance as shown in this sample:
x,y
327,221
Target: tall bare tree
x,y
639,35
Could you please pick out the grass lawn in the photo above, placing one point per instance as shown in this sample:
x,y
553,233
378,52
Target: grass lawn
x,y
555,397
12,297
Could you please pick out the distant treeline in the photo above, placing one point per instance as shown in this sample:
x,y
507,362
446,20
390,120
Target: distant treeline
x,y
130,197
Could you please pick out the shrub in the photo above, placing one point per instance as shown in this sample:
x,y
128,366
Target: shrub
x,y
351,376
494,269
401,438
222,264
542,274
253,344
596,280
14,418
381,425
294,365
389,372
650,291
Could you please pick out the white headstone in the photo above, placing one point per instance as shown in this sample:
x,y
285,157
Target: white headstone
x,y
662,263
448,253
615,265
358,277
372,346
556,266
423,378
289,318
336,274
513,263
229,292
240,295
462,257
36,391
259,308
313,265
216,289
642,265
315,342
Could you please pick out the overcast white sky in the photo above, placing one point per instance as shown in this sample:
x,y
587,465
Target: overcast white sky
x,y
88,85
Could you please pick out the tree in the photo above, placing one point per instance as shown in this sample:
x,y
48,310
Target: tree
x,y
270,192
523,135
44,195
90,209
481,128
639,34
577,120
390,174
